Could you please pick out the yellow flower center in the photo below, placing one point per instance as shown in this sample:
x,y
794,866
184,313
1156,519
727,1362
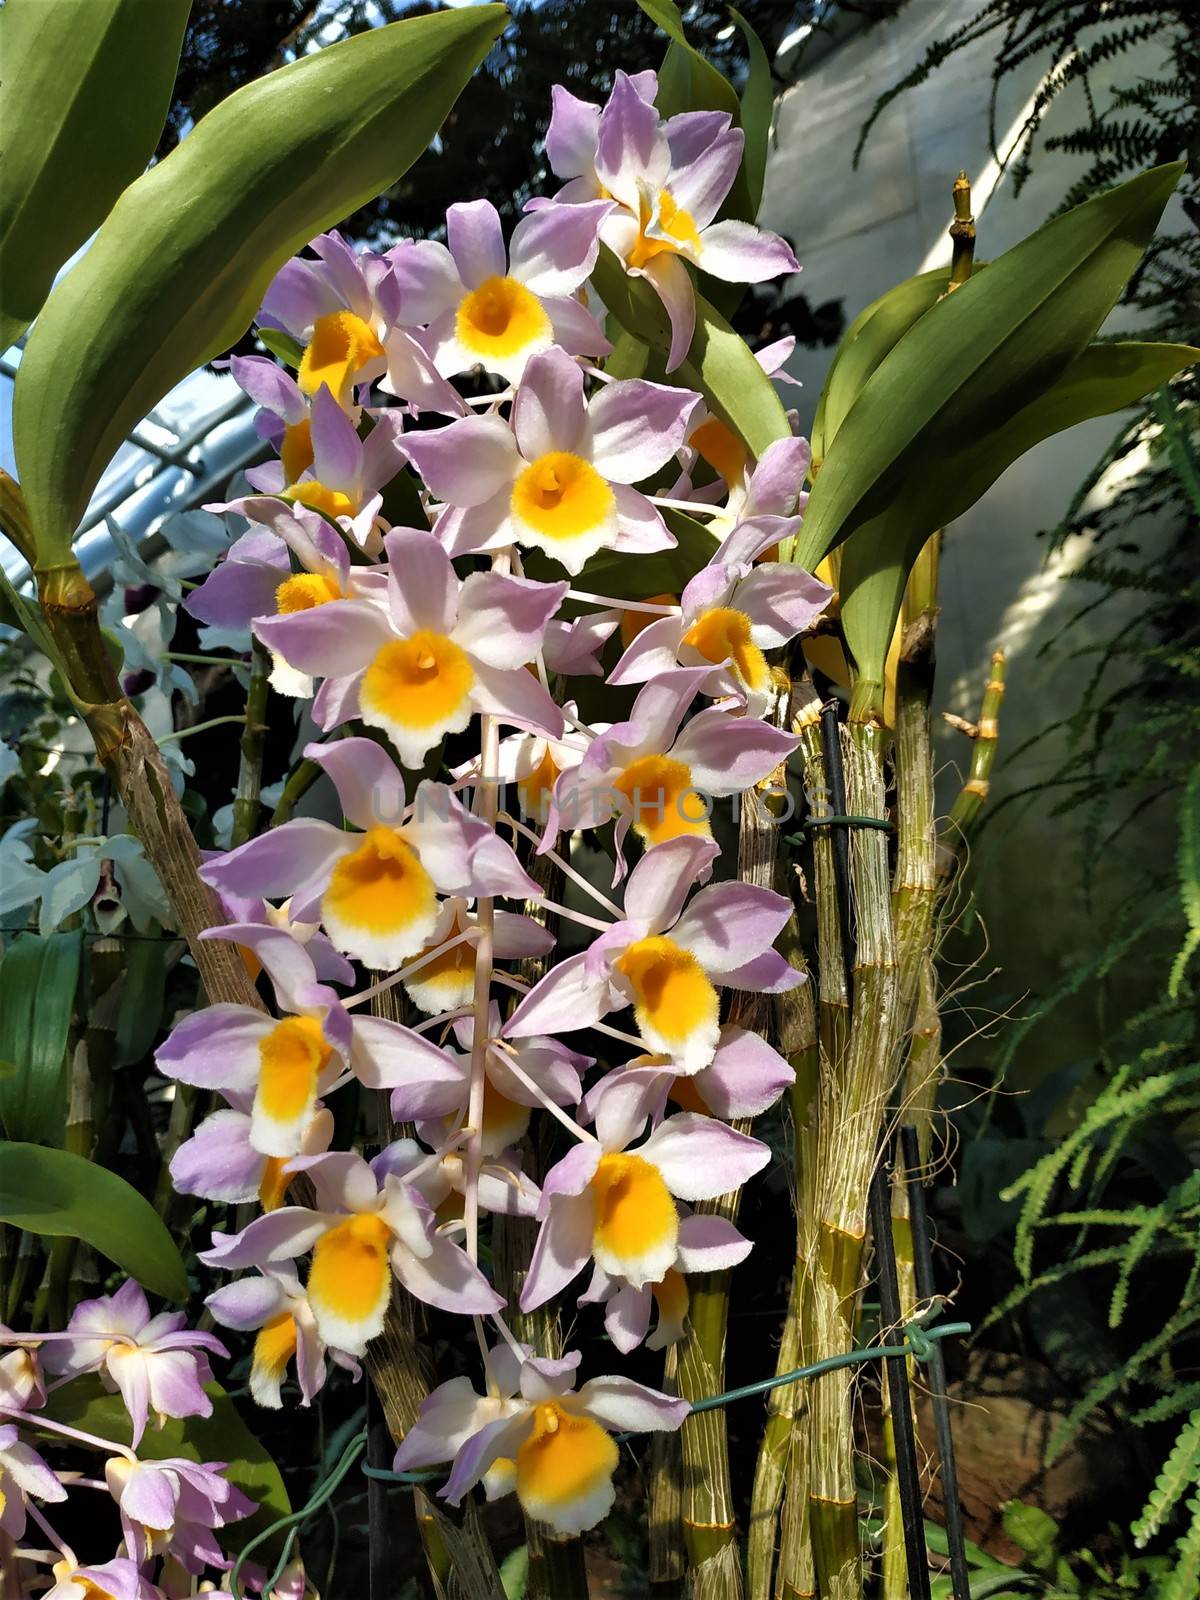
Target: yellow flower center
x,y
419,683
275,1344
341,346
501,318
330,503
380,886
290,1060
534,789
672,994
350,1275
672,220
566,1458
724,635
635,1216
560,496
296,451
662,802
304,590
721,448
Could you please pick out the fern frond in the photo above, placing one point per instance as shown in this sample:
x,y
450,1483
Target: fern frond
x,y
1184,1582
1172,1404
1180,1472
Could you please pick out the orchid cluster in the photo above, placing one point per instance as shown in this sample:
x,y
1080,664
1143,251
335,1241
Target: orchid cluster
x,y
436,662
171,1509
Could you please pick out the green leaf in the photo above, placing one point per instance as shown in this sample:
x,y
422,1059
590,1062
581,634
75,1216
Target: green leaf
x,y
872,335
141,1006
757,107
877,557
82,109
224,1436
177,271
290,351
514,1573
54,1192
37,998
979,356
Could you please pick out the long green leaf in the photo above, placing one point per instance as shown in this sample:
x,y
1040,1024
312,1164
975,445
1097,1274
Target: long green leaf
x,y
177,271
56,1193
879,554
757,107
85,95
37,997
224,1436
873,334
980,355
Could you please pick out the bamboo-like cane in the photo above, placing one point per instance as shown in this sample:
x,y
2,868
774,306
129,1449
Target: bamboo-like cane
x,y
708,1513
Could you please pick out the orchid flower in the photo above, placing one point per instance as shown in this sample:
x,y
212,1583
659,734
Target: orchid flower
x,y
494,309
729,614
275,1306
668,193
557,476
534,762
660,780
571,648
328,964
369,1224
617,1206
330,307
156,1363
22,1473
441,651
172,1507
376,892
767,494
667,961
285,1064
343,482
553,1446
744,1078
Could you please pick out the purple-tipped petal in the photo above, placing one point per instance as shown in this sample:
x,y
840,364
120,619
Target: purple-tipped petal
x,y
502,620
554,249
563,1248
728,922
669,279
476,241
572,134
739,253
746,1076
710,1244
369,784
663,879
467,462
638,426
622,1404
564,1000
329,641
549,411
422,585
700,1158
727,754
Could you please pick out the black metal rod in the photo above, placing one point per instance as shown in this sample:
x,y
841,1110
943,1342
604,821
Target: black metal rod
x,y
381,1569
904,1437
918,1216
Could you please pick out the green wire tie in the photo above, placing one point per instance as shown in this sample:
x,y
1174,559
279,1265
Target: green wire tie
x,y
837,819
918,1343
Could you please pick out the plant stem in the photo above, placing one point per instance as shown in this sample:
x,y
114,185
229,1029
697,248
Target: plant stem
x,y
246,804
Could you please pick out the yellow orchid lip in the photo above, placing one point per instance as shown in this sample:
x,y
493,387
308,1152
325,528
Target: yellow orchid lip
x,y
380,904
721,448
502,319
342,345
723,634
304,590
446,981
291,1059
675,1003
636,1230
565,1468
350,1281
562,505
418,689
674,221
332,503
274,1347
663,802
